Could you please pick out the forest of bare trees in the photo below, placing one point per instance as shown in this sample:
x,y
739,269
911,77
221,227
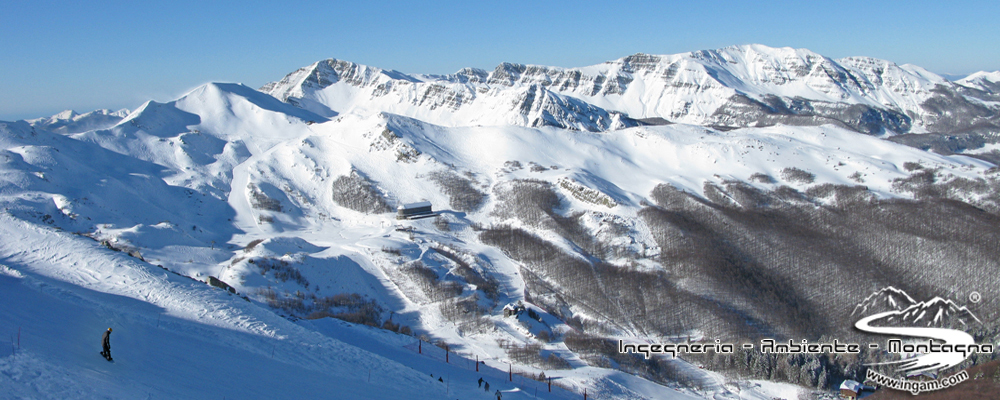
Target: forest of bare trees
x,y
462,195
782,264
356,192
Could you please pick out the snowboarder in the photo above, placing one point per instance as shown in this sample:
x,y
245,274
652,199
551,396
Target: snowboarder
x,y
106,342
480,381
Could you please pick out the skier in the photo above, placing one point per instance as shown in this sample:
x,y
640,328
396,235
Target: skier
x,y
106,342
499,395
487,388
480,381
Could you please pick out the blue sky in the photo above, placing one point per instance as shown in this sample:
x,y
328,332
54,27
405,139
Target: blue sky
x,y
57,55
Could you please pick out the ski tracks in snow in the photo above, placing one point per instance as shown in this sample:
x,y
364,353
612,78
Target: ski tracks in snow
x,y
79,261
80,271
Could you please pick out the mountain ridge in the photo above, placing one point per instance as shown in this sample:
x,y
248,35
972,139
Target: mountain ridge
x,y
736,86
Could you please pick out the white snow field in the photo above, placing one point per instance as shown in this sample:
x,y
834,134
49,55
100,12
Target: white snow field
x,y
227,177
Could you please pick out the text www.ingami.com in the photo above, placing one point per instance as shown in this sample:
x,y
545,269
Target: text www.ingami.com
x,y
915,387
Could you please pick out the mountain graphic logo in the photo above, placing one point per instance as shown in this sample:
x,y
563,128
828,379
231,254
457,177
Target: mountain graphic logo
x,y
891,311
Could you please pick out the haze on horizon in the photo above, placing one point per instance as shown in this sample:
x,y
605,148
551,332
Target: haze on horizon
x,y
109,54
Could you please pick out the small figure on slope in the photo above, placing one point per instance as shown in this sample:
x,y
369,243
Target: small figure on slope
x,y
106,342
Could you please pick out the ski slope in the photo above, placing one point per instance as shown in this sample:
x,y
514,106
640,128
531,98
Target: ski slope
x,y
173,337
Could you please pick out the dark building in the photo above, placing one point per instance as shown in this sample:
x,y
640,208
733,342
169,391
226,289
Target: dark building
x,y
414,210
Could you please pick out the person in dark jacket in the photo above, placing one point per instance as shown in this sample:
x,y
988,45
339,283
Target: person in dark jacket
x,y
106,342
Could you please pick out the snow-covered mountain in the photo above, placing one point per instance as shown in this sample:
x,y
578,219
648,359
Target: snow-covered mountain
x,y
564,190
70,122
739,86
332,86
982,80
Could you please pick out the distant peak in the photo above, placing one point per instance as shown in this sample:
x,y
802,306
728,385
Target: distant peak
x,y
474,75
472,71
641,55
983,76
506,65
642,59
68,114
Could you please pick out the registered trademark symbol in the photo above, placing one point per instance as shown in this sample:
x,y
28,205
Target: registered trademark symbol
x,y
975,297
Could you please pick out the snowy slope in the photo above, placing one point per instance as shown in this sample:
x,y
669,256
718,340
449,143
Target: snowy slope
x,y
176,338
173,337
203,135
